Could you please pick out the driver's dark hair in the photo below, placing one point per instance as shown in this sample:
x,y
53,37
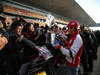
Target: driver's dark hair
x,y
26,27
15,24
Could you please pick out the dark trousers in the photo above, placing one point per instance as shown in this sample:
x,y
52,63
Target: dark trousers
x,y
90,63
87,63
84,63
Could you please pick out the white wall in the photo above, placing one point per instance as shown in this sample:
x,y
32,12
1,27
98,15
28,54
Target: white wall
x,y
95,28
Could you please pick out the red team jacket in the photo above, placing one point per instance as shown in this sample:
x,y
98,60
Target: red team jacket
x,y
75,46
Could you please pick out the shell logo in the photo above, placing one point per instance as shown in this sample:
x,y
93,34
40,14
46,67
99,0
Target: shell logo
x,y
41,73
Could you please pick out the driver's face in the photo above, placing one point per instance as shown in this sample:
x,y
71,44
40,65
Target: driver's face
x,y
70,30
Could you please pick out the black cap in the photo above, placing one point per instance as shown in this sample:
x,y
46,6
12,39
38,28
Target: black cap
x,y
15,24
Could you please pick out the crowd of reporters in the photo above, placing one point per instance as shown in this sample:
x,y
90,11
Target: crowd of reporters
x,y
14,51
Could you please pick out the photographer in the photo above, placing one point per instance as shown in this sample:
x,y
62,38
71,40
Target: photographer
x,y
41,38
